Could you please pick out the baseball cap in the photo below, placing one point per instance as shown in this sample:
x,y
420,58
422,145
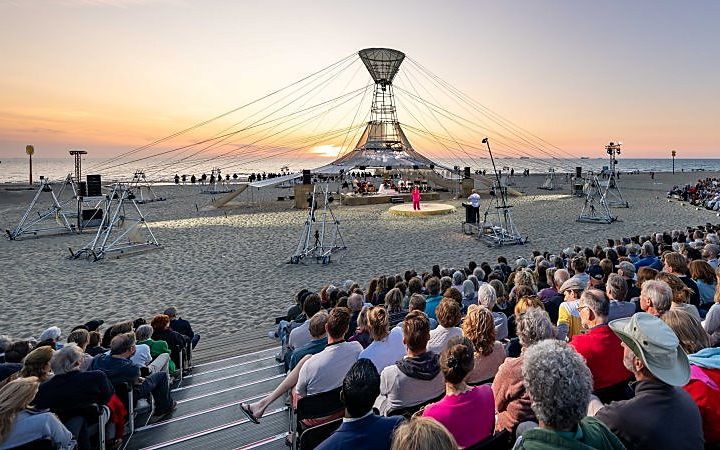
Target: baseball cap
x,y
626,267
596,272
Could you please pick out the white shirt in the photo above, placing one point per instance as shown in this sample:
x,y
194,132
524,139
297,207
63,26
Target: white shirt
x,y
142,357
386,352
300,336
440,336
326,370
474,199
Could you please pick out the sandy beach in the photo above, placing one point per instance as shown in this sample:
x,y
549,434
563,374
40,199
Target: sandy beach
x,y
226,270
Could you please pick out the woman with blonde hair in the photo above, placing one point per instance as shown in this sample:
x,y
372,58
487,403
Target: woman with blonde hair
x,y
523,277
704,370
20,425
703,275
681,293
422,433
362,333
37,363
479,327
387,346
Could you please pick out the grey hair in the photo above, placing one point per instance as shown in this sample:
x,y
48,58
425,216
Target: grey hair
x,y
458,278
487,296
479,273
66,359
143,332
468,289
659,293
171,312
561,276
616,287
53,333
533,326
475,282
647,249
712,250
355,302
596,300
559,384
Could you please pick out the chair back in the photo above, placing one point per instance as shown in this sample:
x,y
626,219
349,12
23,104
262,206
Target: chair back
x,y
319,405
408,411
480,383
39,444
498,441
314,436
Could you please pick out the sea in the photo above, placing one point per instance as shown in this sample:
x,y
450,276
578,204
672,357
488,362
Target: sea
x,y
16,170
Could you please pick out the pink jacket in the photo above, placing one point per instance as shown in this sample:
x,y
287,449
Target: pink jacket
x,y
416,195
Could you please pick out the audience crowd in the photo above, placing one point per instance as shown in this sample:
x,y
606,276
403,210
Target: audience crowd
x,y
609,347
704,193
54,390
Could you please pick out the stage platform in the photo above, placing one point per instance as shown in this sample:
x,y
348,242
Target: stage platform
x,y
378,199
426,209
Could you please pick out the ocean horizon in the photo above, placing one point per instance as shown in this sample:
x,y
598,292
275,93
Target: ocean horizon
x,y
15,170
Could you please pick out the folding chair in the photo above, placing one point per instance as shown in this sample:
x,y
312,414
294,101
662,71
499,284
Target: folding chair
x,y
311,407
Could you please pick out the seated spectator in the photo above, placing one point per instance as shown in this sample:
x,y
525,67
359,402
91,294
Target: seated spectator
x,y
467,412
17,352
712,319
449,316
676,264
601,348
387,347
8,372
416,377
355,305
479,327
325,373
703,275
295,310
655,297
559,384
182,326
93,347
681,294
552,303
300,335
361,428
20,424
568,324
647,257
550,291
176,342
422,433
432,286
512,401
118,328
5,343
70,388
661,415
393,303
418,303
616,290
120,369
37,364
362,333
317,344
704,384
526,301
469,296
81,338
158,358
487,297
627,271
50,337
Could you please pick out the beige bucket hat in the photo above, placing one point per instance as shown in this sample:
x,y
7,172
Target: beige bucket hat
x,y
656,344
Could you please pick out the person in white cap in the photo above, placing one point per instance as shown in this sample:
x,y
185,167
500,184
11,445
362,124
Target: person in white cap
x,y
569,323
661,415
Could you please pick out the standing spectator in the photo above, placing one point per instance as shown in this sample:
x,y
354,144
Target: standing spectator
x,y
361,428
559,384
20,424
467,412
661,415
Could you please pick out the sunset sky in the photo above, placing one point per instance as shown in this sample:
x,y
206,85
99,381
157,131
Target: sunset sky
x,y
110,75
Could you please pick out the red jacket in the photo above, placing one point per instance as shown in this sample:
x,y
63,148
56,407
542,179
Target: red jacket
x,y
604,356
704,388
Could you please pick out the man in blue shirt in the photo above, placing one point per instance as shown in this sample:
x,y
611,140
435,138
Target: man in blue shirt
x,y
361,429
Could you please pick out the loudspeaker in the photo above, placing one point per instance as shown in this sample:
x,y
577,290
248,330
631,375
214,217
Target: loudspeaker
x,y
362,167
388,167
94,185
415,167
91,214
82,189
306,179
578,172
432,166
467,172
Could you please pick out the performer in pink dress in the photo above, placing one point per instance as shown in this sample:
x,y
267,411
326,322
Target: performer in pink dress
x,y
416,198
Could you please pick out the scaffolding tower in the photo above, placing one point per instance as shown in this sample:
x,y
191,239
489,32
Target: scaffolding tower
x,y
45,220
595,209
140,184
321,237
613,195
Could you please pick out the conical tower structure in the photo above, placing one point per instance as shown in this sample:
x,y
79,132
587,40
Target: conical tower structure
x,y
383,143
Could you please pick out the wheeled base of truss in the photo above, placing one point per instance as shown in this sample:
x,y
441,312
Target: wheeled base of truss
x,y
321,237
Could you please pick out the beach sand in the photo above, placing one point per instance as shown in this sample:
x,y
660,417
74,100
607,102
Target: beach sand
x,y
226,270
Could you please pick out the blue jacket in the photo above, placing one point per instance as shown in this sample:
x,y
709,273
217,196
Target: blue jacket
x,y
369,433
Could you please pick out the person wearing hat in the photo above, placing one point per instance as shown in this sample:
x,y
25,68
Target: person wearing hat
x,y
596,277
662,414
626,269
569,324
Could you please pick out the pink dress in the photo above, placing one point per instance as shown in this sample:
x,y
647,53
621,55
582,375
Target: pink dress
x,y
470,416
416,198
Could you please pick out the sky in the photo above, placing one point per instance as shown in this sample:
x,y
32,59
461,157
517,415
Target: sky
x,y
111,75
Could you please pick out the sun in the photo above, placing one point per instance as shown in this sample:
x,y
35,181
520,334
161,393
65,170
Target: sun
x,y
327,151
